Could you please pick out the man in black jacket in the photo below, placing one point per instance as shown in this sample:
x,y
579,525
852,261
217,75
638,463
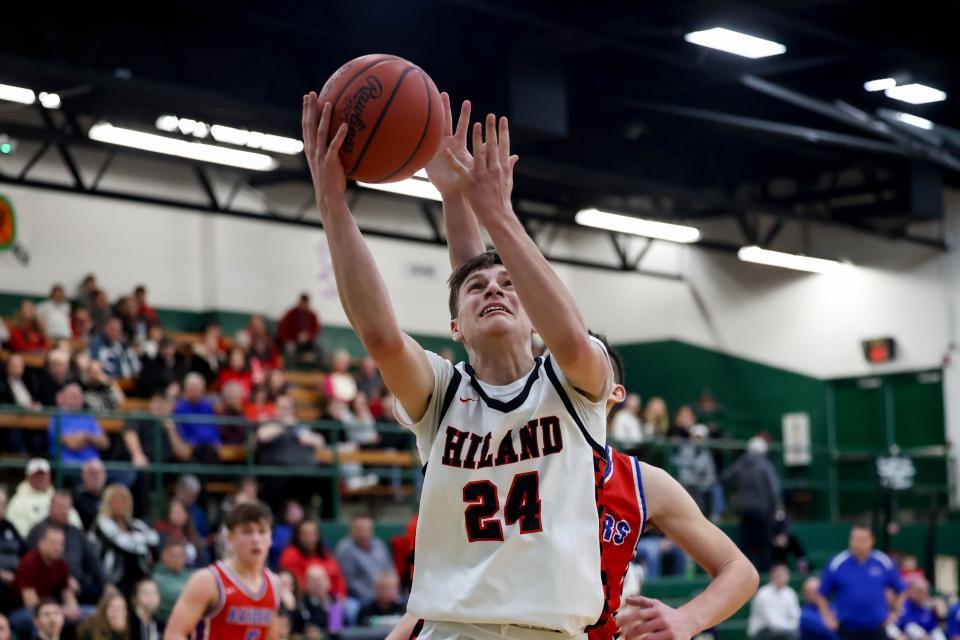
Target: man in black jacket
x,y
11,549
78,553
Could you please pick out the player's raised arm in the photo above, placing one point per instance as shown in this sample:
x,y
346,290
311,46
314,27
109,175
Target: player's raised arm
x,y
199,595
674,512
402,362
552,310
463,232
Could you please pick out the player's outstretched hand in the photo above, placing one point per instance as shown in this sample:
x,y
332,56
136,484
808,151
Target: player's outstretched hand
x,y
323,159
650,619
440,170
489,182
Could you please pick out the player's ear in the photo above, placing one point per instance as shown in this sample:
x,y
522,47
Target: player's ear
x,y
455,331
618,394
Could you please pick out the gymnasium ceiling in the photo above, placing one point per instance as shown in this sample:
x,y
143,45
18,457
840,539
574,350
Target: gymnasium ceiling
x,y
611,108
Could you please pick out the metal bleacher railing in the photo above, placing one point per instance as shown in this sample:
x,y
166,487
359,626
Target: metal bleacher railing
x,y
397,469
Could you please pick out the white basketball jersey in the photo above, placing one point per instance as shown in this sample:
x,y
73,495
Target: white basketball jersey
x,y
508,529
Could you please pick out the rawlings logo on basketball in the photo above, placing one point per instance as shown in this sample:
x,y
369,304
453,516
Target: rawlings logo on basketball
x,y
353,108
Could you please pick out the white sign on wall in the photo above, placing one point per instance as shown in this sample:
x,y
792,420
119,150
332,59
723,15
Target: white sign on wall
x,y
796,439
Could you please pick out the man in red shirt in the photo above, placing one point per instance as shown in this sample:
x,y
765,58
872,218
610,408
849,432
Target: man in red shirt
x,y
298,331
42,573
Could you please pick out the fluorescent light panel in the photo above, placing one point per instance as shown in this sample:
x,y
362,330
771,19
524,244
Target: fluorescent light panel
x,y
106,132
415,187
917,121
230,135
17,94
741,44
915,93
637,226
786,260
880,84
49,100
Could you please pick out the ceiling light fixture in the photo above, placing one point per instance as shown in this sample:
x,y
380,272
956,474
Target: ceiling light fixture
x,y
771,258
880,84
741,44
17,94
637,226
915,93
416,187
916,121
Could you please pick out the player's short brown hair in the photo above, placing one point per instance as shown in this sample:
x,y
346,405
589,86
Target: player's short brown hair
x,y
247,512
484,260
616,360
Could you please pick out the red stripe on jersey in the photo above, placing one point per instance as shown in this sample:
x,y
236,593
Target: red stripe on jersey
x,y
240,614
623,520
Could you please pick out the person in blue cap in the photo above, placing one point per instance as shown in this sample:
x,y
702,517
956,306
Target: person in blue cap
x,y
856,583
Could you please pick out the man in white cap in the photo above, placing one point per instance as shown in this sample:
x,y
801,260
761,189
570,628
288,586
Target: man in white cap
x,y
759,499
31,503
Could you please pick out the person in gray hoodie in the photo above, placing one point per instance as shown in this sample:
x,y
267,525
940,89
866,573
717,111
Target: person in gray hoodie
x,y
759,501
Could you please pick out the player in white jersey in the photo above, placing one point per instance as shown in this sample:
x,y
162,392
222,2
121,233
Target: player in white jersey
x,y
509,493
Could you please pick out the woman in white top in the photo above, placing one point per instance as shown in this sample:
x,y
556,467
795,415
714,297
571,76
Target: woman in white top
x,y
626,429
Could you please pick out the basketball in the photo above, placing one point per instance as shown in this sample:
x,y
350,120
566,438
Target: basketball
x,y
393,113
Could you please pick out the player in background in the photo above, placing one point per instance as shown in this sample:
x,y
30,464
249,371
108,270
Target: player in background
x,y
635,492
235,599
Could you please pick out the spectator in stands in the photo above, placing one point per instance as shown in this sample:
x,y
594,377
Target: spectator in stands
x,y
359,423
187,491
13,388
339,384
100,392
369,380
858,582
12,549
86,290
176,525
696,470
201,435
785,545
319,613
307,549
283,627
298,333
42,573
5,631
656,418
134,329
653,549
81,325
75,437
289,594
142,619
166,368
909,568
237,371
626,429
100,311
759,501
54,313
55,376
48,619
208,354
919,619
387,606
108,622
142,307
78,553
284,441
4,332
261,407
283,529
125,542
26,331
260,347
812,626
231,406
143,436
953,623
150,346
277,384
775,609
118,360
683,421
170,575
93,480
363,558
31,502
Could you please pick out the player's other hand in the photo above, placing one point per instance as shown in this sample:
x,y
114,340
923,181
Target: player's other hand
x,y
650,619
323,158
488,184
440,170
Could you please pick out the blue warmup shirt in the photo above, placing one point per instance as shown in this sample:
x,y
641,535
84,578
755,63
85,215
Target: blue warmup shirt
x,y
923,616
72,425
857,590
193,432
811,624
953,622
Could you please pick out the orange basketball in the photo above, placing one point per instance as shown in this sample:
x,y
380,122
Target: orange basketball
x,y
393,114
